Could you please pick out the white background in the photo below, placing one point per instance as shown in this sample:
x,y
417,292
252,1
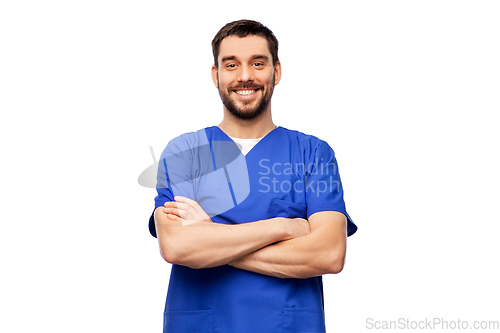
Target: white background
x,y
404,91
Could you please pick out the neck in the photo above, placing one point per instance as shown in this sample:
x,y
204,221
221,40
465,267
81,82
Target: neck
x,y
247,128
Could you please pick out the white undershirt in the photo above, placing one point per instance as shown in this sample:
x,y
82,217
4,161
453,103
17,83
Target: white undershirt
x,y
245,145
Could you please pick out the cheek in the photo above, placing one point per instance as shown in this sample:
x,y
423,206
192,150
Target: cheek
x,y
223,83
268,78
225,78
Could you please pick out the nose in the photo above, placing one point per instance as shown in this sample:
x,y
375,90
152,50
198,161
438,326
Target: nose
x,y
245,74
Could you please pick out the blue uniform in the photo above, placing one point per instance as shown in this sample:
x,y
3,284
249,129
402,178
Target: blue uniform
x,y
286,174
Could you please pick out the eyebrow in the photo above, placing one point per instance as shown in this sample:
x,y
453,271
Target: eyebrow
x,y
254,57
260,56
227,58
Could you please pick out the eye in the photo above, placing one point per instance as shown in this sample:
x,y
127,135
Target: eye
x,y
258,64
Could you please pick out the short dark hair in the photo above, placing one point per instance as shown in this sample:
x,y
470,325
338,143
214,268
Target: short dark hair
x,y
243,28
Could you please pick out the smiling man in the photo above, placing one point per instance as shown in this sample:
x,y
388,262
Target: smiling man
x,y
249,214
246,91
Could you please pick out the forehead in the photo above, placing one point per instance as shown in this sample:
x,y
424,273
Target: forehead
x,y
244,47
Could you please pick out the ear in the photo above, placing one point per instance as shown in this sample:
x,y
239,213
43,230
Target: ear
x,y
277,73
215,76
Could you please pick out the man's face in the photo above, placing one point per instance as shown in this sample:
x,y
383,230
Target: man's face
x,y
246,75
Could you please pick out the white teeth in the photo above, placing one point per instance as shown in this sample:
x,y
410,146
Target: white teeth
x,y
245,92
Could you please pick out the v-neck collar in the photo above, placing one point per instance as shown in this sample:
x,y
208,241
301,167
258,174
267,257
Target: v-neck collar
x,y
256,145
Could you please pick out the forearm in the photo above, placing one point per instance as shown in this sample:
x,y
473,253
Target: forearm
x,y
320,252
295,258
204,244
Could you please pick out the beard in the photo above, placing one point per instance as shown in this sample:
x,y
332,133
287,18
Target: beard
x,y
246,112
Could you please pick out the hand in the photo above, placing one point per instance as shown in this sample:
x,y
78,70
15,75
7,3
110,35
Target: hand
x,y
296,227
185,210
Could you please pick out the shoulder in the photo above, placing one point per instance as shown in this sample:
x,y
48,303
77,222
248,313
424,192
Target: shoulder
x,y
307,142
301,136
187,141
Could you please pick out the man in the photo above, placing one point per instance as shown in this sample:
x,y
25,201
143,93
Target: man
x,y
249,214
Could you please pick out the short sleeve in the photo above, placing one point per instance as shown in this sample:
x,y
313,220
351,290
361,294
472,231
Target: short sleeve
x,y
324,191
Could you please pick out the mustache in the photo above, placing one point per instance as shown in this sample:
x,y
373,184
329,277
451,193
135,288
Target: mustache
x,y
249,86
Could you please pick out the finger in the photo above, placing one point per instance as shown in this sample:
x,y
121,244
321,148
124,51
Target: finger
x,y
179,212
169,210
182,210
170,204
192,203
185,200
186,203
177,205
173,217
183,206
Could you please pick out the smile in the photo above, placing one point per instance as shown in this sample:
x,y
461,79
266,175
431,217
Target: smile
x,y
245,92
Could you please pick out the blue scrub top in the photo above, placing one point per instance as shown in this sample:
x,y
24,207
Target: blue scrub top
x,y
286,174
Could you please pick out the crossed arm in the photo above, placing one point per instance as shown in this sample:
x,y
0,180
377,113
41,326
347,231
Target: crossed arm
x,y
280,247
